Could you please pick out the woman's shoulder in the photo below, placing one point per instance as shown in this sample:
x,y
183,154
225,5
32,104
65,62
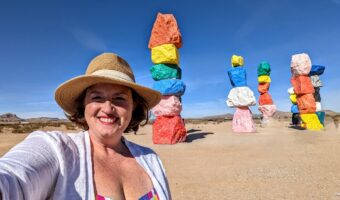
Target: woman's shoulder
x,y
57,135
57,138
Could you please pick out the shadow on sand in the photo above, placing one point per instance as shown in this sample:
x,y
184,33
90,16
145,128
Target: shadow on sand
x,y
192,135
296,127
193,130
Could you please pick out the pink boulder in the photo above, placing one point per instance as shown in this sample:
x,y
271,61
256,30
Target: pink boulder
x,y
267,110
168,106
300,64
243,121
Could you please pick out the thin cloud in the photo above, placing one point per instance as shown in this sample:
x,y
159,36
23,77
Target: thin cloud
x,y
40,103
331,102
143,76
198,84
200,109
260,16
26,115
144,79
89,40
283,104
336,2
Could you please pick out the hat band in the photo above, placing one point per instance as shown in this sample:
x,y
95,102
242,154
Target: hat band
x,y
113,74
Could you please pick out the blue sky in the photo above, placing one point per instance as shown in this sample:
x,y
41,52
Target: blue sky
x,y
44,43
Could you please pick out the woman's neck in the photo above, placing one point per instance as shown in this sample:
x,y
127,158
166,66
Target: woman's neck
x,y
108,146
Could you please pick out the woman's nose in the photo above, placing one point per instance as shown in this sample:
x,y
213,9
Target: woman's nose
x,y
108,106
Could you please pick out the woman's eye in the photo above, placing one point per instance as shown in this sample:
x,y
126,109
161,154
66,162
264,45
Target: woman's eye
x,y
120,98
96,98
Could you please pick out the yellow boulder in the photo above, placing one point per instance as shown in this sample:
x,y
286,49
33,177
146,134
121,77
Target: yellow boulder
x,y
264,79
165,54
311,122
236,61
292,98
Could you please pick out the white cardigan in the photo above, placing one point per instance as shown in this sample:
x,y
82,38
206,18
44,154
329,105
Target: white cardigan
x,y
53,165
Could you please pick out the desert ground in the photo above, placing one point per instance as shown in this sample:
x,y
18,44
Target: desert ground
x,y
276,162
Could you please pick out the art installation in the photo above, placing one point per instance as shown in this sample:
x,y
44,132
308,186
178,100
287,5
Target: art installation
x,y
314,74
296,120
304,89
241,97
165,40
266,105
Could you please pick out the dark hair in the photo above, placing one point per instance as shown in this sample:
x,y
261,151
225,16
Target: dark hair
x,y
139,114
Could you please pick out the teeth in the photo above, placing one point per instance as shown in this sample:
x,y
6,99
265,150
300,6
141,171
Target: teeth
x,y
106,120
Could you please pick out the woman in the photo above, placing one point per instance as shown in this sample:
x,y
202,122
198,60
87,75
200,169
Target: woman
x,y
98,163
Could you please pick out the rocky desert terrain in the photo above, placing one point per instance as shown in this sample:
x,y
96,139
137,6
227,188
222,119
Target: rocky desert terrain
x,y
276,162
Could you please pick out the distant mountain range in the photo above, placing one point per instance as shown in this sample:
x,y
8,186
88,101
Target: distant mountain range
x,y
279,115
13,118
9,117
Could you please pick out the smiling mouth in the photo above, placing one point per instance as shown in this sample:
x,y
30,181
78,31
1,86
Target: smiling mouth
x,y
107,120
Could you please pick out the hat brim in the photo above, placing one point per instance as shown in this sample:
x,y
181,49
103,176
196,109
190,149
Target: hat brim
x,y
68,92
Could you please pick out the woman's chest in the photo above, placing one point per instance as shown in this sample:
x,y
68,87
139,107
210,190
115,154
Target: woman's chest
x,y
121,179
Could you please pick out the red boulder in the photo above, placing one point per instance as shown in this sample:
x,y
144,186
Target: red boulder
x,y
168,130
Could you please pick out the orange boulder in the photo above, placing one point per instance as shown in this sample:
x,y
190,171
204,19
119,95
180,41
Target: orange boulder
x,y
263,87
302,85
306,103
265,99
165,31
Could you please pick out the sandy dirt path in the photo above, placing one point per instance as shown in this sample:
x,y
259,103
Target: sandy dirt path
x,y
274,163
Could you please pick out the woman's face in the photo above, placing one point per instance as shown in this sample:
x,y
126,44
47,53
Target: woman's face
x,y
108,109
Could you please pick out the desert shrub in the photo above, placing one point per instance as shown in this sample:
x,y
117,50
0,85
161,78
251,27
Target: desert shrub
x,y
19,129
25,128
54,124
336,120
34,126
15,127
70,126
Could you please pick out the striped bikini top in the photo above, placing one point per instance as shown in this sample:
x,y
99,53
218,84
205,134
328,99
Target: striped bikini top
x,y
152,195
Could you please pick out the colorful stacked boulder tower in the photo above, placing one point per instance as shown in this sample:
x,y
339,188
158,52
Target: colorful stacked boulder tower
x,y
266,105
165,40
241,97
314,74
304,90
296,120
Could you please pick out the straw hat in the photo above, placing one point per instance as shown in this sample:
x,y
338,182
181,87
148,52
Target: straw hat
x,y
105,68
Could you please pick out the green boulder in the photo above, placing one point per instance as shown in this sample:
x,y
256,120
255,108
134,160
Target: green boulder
x,y
165,71
263,69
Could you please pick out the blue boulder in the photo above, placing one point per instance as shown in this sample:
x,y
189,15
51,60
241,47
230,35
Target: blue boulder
x,y
237,76
170,87
317,70
294,109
